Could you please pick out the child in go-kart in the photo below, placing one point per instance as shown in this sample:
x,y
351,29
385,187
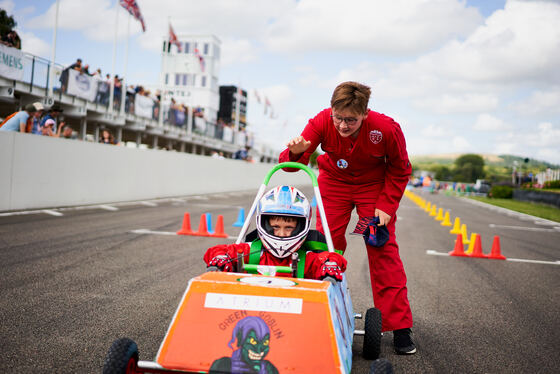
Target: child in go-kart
x,y
283,219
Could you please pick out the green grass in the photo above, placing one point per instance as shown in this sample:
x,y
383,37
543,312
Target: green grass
x,y
535,209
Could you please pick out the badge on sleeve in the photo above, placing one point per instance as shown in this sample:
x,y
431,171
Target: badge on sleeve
x,y
342,164
375,136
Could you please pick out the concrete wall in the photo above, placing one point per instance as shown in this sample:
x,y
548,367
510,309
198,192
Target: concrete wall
x,y
41,172
533,196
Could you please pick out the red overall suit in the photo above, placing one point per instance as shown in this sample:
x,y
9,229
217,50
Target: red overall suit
x,y
368,172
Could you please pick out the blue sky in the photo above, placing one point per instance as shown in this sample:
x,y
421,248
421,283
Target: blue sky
x,y
459,76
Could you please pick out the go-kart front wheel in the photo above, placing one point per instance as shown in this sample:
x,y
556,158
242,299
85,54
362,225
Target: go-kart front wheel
x,y
122,357
372,336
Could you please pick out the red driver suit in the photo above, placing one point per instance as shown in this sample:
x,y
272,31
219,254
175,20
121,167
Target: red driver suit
x,y
368,172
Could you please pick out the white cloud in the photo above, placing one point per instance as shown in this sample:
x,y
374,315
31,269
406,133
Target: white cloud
x,y
8,6
547,135
540,102
487,122
467,103
383,26
32,44
460,144
434,131
237,51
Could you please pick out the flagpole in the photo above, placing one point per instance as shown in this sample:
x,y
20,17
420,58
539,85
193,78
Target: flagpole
x,y
112,91
53,52
162,76
125,79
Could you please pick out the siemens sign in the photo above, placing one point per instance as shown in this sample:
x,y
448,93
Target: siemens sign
x,y
11,63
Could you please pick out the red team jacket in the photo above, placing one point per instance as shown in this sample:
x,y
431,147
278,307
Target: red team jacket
x,y
313,261
377,156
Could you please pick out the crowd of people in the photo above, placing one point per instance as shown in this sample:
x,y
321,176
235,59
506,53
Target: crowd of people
x,y
11,39
36,119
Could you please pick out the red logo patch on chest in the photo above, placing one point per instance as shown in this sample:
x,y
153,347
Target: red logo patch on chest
x,y
375,136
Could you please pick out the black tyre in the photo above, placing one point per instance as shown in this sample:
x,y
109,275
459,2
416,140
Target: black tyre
x,y
372,337
122,357
381,366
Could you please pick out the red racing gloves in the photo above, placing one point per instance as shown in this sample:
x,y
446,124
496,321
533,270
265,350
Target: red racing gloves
x,y
330,269
331,265
222,262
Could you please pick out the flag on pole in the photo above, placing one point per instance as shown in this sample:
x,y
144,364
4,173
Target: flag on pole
x,y
132,7
173,38
266,105
258,97
200,59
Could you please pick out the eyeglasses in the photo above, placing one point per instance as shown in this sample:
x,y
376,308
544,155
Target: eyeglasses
x,y
349,120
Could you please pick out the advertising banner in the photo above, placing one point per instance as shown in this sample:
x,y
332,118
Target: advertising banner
x,y
143,106
11,63
81,85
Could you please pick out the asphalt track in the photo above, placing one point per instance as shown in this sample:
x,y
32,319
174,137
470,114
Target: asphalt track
x,y
70,284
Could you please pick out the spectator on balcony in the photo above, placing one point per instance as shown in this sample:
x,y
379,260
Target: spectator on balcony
x,y
107,138
117,92
17,121
36,118
68,133
48,129
65,73
11,39
53,114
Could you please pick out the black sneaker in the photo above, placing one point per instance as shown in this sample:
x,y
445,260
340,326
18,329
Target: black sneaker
x,y
403,342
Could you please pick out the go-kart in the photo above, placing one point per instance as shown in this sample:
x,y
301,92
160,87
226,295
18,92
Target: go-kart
x,y
250,321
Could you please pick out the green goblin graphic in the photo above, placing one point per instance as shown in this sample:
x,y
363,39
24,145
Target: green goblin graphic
x,y
253,338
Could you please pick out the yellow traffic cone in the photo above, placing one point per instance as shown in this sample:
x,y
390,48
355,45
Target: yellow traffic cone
x,y
464,234
433,212
471,243
428,207
446,221
456,226
439,216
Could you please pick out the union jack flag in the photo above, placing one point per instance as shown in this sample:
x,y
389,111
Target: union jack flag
x,y
173,38
134,10
200,59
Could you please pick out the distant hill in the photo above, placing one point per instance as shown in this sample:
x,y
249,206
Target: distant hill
x,y
489,160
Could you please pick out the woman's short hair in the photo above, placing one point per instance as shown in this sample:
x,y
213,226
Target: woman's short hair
x,y
351,96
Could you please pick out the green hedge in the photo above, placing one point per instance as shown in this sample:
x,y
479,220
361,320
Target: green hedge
x,y
501,192
552,184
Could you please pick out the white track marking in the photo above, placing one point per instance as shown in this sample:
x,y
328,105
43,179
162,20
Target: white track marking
x,y
555,229
52,212
435,253
146,231
108,207
148,203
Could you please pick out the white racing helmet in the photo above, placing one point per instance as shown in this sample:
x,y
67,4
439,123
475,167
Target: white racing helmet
x,y
283,201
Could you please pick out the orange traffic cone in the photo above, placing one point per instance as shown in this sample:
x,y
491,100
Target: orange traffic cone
x,y
446,221
433,212
496,251
439,216
202,228
186,228
477,251
464,234
219,232
458,250
456,226
470,249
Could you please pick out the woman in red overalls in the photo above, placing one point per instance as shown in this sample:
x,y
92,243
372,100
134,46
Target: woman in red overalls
x,y
366,166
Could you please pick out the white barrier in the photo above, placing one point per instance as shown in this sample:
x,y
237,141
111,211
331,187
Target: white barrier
x,y
41,172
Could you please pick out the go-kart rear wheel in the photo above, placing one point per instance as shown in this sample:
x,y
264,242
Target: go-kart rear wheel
x,y
372,336
381,366
122,357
